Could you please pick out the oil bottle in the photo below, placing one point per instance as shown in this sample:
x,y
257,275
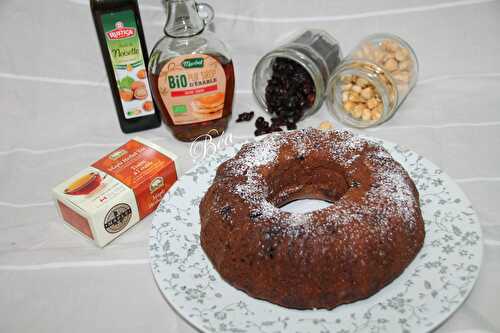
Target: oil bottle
x,y
192,75
123,46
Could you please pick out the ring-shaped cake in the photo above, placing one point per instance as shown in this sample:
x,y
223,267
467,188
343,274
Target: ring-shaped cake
x,y
363,240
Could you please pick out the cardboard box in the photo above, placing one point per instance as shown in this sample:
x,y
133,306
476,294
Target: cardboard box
x,y
104,200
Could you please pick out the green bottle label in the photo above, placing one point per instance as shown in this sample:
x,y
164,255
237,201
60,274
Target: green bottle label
x,y
124,46
122,39
193,63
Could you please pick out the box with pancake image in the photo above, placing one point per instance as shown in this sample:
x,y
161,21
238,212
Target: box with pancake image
x,y
107,198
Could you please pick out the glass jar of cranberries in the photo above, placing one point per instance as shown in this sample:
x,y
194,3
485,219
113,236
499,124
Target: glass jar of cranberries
x,y
290,81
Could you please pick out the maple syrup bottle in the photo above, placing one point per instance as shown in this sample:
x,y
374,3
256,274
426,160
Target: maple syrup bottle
x,y
119,30
192,75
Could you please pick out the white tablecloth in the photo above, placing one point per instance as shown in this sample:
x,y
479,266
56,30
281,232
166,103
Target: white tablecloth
x,y
57,116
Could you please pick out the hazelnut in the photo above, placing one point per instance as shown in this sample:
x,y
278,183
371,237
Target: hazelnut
x,y
390,45
376,115
141,74
325,125
356,114
354,97
404,65
367,93
358,111
137,84
387,57
140,93
356,88
349,106
372,103
378,109
402,76
361,82
345,96
401,55
366,115
391,65
126,95
405,52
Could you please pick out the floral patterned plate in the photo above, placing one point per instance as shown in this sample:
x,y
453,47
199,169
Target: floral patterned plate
x,y
431,288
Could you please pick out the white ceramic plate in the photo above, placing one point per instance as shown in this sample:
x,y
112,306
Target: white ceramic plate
x,y
434,285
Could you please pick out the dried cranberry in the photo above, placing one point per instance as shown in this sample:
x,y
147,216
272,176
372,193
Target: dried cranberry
x,y
355,183
258,132
245,116
278,121
296,117
259,122
275,128
290,90
226,211
254,214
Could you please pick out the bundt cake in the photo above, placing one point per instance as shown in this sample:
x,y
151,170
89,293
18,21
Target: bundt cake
x,y
319,259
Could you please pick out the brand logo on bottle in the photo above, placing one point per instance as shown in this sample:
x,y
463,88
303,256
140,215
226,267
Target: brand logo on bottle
x,y
193,63
120,32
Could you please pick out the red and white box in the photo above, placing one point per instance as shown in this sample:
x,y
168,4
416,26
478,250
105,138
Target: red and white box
x,y
104,200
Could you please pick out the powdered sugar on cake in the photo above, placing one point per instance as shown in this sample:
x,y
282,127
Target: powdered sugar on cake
x,y
389,179
391,183
347,251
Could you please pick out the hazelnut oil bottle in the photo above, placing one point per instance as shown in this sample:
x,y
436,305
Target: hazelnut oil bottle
x,y
123,46
192,75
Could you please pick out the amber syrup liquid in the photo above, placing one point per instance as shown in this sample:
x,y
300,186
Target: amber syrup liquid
x,y
202,130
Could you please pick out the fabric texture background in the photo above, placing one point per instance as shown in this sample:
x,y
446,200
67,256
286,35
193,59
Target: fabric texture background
x,y
58,117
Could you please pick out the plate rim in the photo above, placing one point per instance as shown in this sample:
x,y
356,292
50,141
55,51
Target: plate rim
x,y
384,143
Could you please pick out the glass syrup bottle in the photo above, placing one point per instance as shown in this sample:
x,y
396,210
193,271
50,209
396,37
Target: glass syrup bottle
x,y
191,73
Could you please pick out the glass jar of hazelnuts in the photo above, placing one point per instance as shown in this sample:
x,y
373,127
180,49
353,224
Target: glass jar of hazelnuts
x,y
372,81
